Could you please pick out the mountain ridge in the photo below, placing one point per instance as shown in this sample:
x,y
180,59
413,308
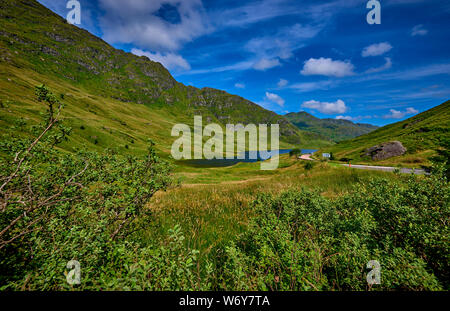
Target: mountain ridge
x,y
333,129
68,58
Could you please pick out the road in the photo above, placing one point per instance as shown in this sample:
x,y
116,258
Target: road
x,y
375,168
387,169
306,157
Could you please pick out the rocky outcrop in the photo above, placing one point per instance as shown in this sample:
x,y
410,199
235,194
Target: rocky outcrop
x,y
386,151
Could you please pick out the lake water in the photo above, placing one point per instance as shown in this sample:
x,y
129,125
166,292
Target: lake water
x,y
226,162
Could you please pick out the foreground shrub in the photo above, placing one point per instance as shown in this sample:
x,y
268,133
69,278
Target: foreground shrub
x,y
302,241
295,152
57,207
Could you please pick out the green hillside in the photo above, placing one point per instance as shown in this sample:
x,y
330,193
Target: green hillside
x,y
422,135
332,129
112,98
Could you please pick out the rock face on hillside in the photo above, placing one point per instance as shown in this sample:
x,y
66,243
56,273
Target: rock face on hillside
x,y
386,151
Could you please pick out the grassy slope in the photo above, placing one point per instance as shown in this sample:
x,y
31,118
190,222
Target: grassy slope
x,y
113,99
422,135
335,130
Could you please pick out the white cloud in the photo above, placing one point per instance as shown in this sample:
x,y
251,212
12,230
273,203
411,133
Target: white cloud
x,y
268,51
282,83
283,42
239,85
275,98
386,66
348,118
396,114
327,67
376,49
337,107
419,30
264,64
411,111
138,22
169,60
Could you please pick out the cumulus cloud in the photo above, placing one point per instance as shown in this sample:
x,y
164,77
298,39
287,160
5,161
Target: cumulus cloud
x,y
412,111
386,66
327,67
149,25
265,64
337,107
282,83
169,60
275,99
239,85
396,114
376,49
419,30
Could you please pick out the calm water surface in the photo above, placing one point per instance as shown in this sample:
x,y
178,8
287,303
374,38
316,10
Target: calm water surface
x,y
226,162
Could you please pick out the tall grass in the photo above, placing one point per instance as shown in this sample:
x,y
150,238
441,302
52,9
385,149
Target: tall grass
x,y
211,215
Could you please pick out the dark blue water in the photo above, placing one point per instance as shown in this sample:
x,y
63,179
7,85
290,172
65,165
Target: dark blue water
x,y
226,162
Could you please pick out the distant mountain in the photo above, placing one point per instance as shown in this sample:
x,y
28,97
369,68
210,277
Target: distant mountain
x,y
422,135
332,129
113,98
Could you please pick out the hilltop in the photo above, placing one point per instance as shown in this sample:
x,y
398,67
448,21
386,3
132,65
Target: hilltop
x,y
421,135
332,129
112,98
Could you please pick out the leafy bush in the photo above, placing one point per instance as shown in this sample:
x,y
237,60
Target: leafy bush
x,y
309,165
57,207
303,241
345,160
443,157
295,152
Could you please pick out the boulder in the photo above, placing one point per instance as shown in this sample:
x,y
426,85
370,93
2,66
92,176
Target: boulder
x,y
386,151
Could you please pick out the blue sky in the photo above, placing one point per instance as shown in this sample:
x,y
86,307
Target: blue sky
x,y
288,56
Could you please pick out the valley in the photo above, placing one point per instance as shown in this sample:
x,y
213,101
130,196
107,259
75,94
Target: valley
x,y
88,173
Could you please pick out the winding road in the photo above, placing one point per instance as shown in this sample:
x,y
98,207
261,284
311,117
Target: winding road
x,y
307,157
388,169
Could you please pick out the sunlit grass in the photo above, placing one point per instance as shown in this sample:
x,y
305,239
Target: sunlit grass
x,y
213,205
